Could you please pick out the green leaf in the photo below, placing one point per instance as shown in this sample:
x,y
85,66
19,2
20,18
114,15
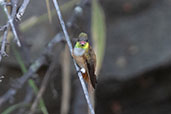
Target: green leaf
x,y
14,107
98,29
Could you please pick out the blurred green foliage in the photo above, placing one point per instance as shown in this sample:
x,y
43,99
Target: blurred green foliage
x,y
31,83
98,29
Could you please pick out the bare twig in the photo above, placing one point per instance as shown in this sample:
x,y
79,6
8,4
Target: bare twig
x,y
2,2
2,52
22,9
79,106
2,28
49,11
32,69
6,27
20,82
70,47
11,19
43,87
27,99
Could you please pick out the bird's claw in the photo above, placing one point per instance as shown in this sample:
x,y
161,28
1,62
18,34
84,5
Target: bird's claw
x,y
82,70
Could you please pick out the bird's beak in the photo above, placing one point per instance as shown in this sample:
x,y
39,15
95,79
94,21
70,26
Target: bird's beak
x,y
82,42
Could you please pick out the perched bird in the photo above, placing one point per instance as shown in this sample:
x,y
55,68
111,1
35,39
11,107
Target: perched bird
x,y
85,58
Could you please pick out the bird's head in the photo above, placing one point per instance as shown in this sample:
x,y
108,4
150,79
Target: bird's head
x,y
82,41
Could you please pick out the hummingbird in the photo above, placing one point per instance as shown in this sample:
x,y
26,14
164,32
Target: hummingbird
x,y
85,58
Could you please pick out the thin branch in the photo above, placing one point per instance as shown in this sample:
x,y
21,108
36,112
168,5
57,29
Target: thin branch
x,y
32,70
70,47
22,9
2,52
28,97
35,65
20,82
2,2
43,87
49,11
11,19
5,28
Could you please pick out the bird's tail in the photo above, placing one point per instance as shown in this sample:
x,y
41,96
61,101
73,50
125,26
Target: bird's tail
x,y
86,78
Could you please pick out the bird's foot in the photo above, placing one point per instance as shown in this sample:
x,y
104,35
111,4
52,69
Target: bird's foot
x,y
83,70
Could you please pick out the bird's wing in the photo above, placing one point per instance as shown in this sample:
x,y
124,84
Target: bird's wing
x,y
91,64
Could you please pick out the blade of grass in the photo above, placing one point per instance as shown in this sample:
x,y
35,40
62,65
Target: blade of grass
x,y
31,83
41,103
14,107
19,60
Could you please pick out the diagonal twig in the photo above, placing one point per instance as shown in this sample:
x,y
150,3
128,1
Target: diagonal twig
x,y
22,9
3,28
20,82
43,86
27,99
36,64
9,23
32,70
2,51
70,48
11,19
